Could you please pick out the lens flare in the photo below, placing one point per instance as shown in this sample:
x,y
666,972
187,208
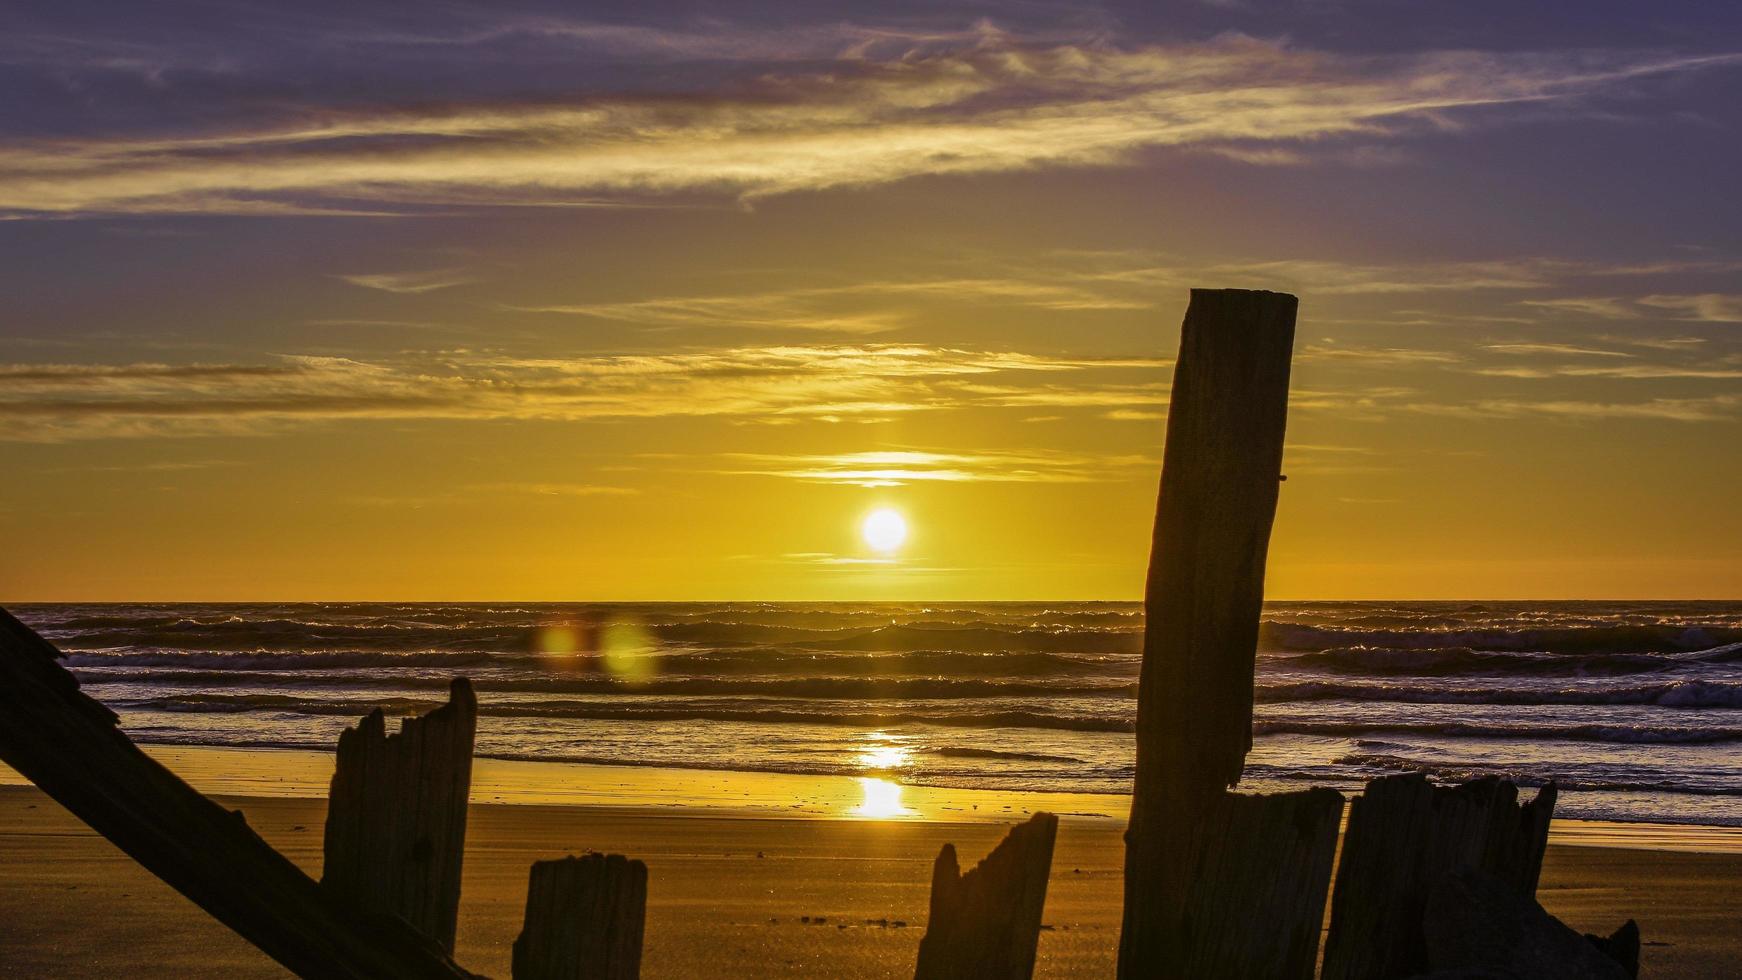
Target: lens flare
x,y
621,648
626,650
557,640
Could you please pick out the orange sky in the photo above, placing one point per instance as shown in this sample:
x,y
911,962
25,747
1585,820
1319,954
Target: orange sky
x,y
666,314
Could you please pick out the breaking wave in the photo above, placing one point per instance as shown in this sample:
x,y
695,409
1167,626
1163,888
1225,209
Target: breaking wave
x,y
1633,703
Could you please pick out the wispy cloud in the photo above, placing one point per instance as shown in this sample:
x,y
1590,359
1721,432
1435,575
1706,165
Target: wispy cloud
x,y
63,401
992,104
411,282
158,466
893,468
1657,343
1693,307
1332,278
1635,371
1553,348
1716,408
785,309
1600,307
1377,356
1704,307
863,307
711,41
818,383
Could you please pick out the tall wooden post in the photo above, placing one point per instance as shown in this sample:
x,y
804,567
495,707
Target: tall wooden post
x,y
396,816
1219,486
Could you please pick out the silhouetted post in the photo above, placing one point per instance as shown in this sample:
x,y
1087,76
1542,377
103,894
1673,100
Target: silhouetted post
x,y
1404,837
1260,868
396,816
985,925
584,920
1219,486
70,747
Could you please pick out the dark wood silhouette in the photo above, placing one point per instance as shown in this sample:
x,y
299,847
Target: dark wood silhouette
x,y
584,920
1256,894
1404,836
396,814
1622,946
71,747
985,924
1219,485
1479,925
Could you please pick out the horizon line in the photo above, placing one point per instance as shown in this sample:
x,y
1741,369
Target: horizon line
x,y
941,601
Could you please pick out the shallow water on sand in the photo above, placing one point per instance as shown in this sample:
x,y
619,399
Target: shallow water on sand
x,y
1633,708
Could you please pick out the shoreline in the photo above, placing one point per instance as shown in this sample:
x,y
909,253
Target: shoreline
x,y
303,774
734,893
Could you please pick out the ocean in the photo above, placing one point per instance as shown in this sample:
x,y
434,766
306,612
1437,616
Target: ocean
x,y
1633,708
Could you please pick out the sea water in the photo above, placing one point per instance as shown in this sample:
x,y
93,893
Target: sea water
x,y
1633,708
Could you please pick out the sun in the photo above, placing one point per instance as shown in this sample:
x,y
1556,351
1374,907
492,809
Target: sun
x,y
884,530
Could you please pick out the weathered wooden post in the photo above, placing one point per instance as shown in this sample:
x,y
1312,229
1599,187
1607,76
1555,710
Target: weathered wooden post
x,y
1258,871
70,747
1219,486
985,925
1405,836
396,815
584,920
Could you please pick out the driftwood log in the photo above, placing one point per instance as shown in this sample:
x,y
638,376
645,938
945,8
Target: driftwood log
x,y
71,747
1219,486
396,815
584,920
1406,835
1255,901
985,924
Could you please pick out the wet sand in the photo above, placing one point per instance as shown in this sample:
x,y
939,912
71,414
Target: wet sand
x,y
71,905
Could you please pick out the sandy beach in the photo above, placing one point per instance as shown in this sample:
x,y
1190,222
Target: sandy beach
x,y
731,882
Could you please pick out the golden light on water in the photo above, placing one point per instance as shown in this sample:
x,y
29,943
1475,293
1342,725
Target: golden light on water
x,y
884,530
882,799
883,757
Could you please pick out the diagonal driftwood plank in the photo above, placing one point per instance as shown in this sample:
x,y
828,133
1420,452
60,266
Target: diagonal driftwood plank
x,y
70,746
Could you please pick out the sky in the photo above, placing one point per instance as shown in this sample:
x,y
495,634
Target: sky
x,y
660,301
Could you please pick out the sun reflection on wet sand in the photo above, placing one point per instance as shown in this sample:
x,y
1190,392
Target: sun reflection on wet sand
x,y
882,799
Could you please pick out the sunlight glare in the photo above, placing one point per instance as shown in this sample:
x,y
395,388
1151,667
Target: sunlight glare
x,y
882,799
884,754
884,530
